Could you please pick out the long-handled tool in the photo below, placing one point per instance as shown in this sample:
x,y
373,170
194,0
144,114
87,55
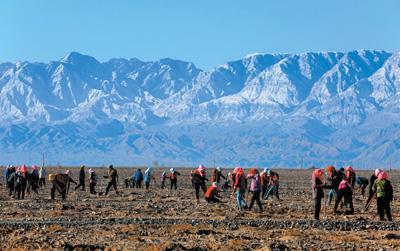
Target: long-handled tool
x,y
369,202
324,206
67,187
15,184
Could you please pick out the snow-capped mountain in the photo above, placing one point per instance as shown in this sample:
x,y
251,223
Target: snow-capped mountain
x,y
265,109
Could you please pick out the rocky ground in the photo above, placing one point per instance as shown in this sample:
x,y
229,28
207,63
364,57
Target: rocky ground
x,y
155,219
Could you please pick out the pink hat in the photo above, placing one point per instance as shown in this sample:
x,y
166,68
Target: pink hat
x,y
377,172
34,167
201,169
90,170
24,169
214,184
239,170
383,176
67,172
317,173
349,168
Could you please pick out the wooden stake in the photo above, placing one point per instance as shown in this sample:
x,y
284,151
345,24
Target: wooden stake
x,y
324,206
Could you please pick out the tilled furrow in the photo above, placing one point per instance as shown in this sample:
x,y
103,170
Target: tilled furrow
x,y
231,224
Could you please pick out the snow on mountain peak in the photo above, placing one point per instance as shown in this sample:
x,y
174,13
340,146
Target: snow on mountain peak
x,y
320,94
76,58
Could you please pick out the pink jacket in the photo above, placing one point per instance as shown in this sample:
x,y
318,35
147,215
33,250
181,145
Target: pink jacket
x,y
343,184
255,182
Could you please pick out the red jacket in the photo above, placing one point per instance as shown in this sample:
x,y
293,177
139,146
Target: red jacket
x,y
211,192
174,175
241,182
264,179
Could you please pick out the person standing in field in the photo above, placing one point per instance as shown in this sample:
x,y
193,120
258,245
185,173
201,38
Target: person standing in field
x,y
217,175
264,179
68,173
138,178
112,179
163,177
240,187
60,182
148,175
318,191
333,181
42,177
384,195
5,174
10,180
345,191
92,181
81,178
232,178
371,193
351,176
273,184
173,176
35,176
199,181
21,179
255,188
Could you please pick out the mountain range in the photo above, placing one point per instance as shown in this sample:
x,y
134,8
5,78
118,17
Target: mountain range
x,y
288,110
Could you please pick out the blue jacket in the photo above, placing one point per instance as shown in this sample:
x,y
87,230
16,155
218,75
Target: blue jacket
x,y
362,181
138,176
147,176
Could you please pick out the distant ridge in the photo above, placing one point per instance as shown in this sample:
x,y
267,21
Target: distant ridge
x,y
265,109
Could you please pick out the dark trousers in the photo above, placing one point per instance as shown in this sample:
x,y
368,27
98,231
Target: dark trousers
x,y
81,184
363,189
264,191
212,200
20,188
147,185
138,184
256,197
197,187
384,207
11,187
345,193
174,183
111,184
317,207
53,191
162,184
92,187
32,185
42,182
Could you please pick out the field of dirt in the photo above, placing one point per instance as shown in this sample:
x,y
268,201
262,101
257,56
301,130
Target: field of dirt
x,y
155,219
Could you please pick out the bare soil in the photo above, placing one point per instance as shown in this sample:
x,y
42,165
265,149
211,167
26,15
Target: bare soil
x,y
156,219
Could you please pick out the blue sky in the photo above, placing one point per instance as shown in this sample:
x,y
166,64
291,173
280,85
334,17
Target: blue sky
x,y
206,32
